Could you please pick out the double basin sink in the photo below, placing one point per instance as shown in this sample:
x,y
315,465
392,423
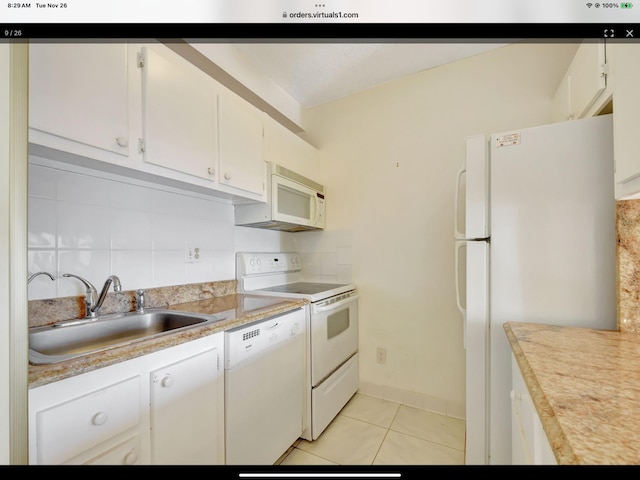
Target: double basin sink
x,y
74,338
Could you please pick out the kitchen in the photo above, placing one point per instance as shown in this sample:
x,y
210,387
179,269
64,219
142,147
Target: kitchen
x,y
389,156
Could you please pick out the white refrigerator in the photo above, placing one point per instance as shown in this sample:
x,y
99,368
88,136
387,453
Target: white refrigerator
x,y
535,242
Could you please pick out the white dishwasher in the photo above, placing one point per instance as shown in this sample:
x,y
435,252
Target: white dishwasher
x,y
264,388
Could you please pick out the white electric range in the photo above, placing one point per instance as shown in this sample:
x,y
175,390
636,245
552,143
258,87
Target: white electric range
x,y
332,330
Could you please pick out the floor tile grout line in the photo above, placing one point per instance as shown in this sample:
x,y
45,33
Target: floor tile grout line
x,y
386,434
390,428
427,440
379,447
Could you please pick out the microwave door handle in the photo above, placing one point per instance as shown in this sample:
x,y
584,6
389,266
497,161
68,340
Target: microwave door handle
x,y
456,208
316,209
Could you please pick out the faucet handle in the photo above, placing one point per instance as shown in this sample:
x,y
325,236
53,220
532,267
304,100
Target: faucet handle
x,y
140,300
91,294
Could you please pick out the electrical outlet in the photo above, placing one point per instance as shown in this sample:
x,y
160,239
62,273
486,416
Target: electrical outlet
x,y
381,355
192,254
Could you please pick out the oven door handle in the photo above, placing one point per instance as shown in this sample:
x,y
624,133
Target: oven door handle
x,y
323,307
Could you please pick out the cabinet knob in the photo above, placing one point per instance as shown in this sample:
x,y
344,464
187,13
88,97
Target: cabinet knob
x,y
100,418
227,176
515,395
121,141
211,171
167,381
131,457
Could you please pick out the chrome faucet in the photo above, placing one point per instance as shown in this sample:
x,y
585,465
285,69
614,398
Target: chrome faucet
x,y
92,300
140,301
40,273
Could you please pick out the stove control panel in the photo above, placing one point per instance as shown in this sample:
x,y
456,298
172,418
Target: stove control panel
x,y
260,263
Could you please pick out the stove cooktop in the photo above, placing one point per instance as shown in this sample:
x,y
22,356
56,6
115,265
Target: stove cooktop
x,y
280,274
303,288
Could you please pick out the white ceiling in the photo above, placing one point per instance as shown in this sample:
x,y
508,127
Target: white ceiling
x,y
315,73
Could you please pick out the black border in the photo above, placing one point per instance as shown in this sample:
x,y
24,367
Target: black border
x,y
314,32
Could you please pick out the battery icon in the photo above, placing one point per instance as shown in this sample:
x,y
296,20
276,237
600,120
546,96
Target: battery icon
x,y
626,5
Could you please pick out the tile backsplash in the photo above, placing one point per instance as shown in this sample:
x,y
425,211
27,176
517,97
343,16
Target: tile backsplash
x,y
628,255
95,224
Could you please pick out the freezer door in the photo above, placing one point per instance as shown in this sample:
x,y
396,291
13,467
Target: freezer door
x,y
477,352
472,194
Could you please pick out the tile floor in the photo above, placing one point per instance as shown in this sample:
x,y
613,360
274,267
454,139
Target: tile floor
x,y
372,431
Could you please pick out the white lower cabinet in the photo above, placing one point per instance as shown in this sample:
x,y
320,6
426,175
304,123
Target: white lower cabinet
x,y
626,121
73,425
161,408
529,443
181,429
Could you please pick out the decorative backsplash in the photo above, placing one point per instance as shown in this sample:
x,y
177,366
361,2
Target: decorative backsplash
x,y
51,310
628,258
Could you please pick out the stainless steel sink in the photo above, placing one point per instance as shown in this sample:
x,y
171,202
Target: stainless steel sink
x,y
73,338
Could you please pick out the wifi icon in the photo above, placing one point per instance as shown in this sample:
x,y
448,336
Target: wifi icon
x,y
589,5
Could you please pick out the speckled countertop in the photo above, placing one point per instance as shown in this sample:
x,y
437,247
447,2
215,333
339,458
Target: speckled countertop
x,y
585,385
238,309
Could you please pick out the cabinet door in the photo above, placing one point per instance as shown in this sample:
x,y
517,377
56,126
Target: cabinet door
x,y
581,92
626,120
179,114
187,416
241,145
529,443
521,420
588,77
79,92
85,416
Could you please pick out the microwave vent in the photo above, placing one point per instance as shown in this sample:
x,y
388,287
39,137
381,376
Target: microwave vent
x,y
296,177
280,226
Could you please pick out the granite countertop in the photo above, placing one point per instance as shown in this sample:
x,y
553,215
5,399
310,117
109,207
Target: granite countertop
x,y
238,309
585,384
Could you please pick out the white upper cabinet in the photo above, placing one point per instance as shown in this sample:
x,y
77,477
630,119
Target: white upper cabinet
x,y
142,110
626,120
179,114
241,157
583,90
79,98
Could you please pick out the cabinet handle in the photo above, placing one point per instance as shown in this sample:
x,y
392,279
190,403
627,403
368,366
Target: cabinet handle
x,y
121,141
100,418
227,176
211,171
131,457
515,395
167,381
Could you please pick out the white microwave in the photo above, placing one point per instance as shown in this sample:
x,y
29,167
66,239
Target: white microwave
x,y
294,203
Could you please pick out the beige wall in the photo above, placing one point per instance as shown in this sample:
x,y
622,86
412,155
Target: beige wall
x,y
390,157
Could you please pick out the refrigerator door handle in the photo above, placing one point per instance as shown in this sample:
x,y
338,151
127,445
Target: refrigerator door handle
x,y
458,234
459,246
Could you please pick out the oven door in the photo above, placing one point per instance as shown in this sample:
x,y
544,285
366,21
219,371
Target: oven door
x,y
334,334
